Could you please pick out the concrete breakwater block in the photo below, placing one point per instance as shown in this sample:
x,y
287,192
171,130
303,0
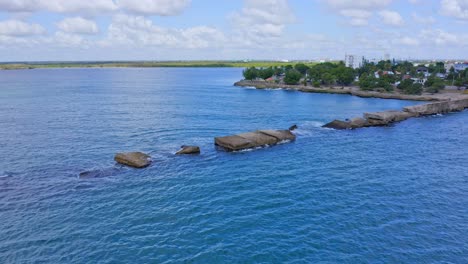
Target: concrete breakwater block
x,y
188,150
254,139
133,159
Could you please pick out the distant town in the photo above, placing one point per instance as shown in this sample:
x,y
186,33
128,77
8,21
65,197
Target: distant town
x,y
369,75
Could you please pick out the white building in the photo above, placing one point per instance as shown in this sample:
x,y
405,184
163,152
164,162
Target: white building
x,y
353,61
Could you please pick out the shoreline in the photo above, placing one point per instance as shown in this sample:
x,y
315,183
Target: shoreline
x,y
439,104
352,90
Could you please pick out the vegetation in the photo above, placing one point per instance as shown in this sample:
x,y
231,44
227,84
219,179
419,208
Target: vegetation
x,y
240,64
383,76
292,76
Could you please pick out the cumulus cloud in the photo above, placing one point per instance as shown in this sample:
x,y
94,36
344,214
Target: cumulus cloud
x,y
146,7
358,12
58,6
138,30
154,7
391,18
20,28
262,19
78,25
454,8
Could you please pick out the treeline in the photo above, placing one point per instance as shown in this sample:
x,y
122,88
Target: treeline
x,y
320,74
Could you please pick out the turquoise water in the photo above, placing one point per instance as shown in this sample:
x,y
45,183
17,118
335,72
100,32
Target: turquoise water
x,y
382,195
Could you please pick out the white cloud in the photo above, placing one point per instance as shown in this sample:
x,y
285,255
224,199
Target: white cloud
x,y
18,5
93,7
78,25
140,31
358,12
441,37
454,8
261,19
354,4
20,28
154,7
391,18
77,6
58,6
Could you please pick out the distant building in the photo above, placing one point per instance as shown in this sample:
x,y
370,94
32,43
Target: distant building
x,y
460,66
353,61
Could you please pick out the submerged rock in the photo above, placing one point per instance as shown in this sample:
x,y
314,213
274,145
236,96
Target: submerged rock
x,y
254,139
188,150
133,159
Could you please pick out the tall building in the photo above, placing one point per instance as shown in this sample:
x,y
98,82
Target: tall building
x,y
353,61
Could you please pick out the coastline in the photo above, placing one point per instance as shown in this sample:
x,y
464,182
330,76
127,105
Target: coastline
x,y
352,90
441,103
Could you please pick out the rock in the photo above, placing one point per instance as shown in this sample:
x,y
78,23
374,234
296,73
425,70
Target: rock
x,y
99,173
358,122
293,127
429,109
386,117
133,159
254,139
189,150
280,135
338,124
458,105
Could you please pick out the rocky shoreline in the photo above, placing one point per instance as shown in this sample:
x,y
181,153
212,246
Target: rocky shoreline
x,y
350,90
445,103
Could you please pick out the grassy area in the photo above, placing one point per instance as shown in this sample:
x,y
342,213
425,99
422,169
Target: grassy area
x,y
242,64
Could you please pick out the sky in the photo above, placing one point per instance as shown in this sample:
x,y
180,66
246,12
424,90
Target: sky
x,y
79,30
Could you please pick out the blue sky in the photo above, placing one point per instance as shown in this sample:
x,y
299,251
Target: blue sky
x,y
45,30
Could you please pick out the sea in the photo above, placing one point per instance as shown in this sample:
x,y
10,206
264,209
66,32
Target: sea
x,y
396,194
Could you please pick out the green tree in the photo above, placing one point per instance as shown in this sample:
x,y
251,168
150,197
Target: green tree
x,y
265,73
292,77
250,73
302,68
328,78
344,75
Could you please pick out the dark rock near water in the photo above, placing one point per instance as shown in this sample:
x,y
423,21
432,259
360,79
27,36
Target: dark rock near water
x,y
189,150
133,159
292,128
254,139
98,173
338,124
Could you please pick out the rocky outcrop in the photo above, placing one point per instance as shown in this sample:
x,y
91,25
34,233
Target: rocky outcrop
x,y
385,118
438,108
188,150
254,139
338,124
133,159
292,128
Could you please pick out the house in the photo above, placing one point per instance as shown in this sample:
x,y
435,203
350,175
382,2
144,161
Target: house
x,y
460,66
419,80
422,69
441,75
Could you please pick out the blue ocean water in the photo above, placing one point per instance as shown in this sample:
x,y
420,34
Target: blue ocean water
x,y
376,195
